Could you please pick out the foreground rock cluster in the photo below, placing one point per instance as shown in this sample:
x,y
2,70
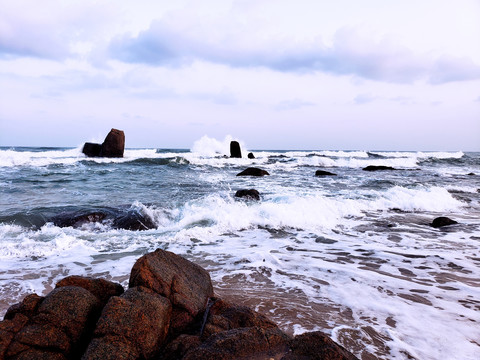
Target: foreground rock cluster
x,y
168,312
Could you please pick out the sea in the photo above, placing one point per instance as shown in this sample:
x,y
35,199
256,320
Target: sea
x,y
352,255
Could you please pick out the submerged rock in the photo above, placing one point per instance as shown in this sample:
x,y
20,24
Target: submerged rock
x,y
378,168
324,173
252,171
442,221
250,194
235,151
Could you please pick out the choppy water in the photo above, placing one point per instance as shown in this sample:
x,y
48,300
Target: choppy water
x,y
352,255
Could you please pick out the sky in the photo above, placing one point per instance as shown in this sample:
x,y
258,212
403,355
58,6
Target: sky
x,y
274,74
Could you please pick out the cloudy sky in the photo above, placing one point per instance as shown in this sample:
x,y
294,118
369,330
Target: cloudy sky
x,y
303,74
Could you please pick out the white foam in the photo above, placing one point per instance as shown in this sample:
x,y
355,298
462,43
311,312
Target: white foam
x,y
210,147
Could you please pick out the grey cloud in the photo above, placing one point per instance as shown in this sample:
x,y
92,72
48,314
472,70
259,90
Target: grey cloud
x,y
364,99
293,104
349,54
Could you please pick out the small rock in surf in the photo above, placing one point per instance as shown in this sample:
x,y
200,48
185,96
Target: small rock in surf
x,y
324,173
250,194
251,171
378,168
442,221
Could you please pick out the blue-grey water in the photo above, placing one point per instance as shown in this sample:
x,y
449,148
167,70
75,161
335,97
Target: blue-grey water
x,y
352,255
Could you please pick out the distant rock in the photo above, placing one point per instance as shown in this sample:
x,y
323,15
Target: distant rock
x,y
442,221
378,168
251,156
251,171
324,173
471,174
250,194
235,151
92,149
114,144
112,147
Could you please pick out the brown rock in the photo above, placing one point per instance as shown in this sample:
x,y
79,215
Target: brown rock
x,y
252,171
8,329
316,346
92,149
180,346
114,144
27,307
132,326
226,316
57,327
241,343
185,284
102,289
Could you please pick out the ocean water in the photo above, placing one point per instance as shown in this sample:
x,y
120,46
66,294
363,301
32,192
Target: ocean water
x,y
352,255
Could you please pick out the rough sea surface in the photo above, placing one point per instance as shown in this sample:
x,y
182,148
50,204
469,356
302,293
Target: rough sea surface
x,y
352,255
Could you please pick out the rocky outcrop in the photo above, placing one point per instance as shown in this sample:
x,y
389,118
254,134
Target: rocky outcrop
x,y
324,173
112,147
235,151
442,221
251,156
377,168
168,312
121,218
249,194
252,171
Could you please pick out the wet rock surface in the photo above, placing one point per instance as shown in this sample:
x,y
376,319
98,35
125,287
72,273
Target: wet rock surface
x,y
252,171
168,312
249,194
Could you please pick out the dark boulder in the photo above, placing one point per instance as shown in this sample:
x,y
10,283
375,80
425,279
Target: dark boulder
x,y
131,326
101,288
114,144
92,149
134,220
235,151
316,346
324,173
251,156
185,284
442,221
251,171
377,168
250,194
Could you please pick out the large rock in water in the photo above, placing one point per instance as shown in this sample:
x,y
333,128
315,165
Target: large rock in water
x,y
249,194
235,151
185,284
114,144
252,171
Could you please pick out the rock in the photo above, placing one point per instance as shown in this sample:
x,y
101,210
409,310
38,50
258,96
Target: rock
x,y
316,346
442,221
471,174
251,156
131,326
250,194
28,307
114,144
235,151
92,149
224,316
185,284
251,171
77,220
180,346
102,289
242,343
377,168
324,173
134,220
57,327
